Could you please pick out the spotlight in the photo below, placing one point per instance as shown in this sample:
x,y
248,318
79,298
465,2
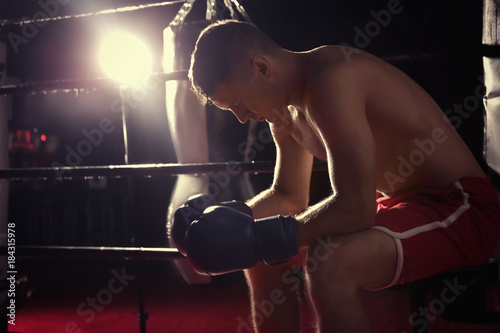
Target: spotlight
x,y
124,57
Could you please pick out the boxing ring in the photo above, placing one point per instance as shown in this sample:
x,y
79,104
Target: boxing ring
x,y
174,169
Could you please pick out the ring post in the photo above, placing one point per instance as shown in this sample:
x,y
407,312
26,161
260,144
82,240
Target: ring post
x,y
491,64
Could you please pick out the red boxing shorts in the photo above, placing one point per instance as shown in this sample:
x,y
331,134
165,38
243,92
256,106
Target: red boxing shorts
x,y
441,230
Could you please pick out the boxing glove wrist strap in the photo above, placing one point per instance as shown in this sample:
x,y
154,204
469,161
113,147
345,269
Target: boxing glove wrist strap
x,y
276,239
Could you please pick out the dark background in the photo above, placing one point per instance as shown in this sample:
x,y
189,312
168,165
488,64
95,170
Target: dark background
x,y
437,43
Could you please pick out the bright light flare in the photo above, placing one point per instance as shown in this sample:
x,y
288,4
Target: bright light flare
x,y
125,58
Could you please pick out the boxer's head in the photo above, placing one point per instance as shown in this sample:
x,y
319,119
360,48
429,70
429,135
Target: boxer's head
x,y
227,53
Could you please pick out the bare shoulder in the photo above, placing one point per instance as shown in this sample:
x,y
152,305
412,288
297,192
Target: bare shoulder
x,y
338,61
335,57
331,66
327,61
387,89
334,83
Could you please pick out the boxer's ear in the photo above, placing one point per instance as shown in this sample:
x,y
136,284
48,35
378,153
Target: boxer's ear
x,y
262,65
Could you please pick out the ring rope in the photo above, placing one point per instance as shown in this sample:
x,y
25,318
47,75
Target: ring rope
x,y
71,84
93,252
144,170
24,20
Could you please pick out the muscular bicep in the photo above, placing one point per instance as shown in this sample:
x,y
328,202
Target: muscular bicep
x,y
293,168
338,111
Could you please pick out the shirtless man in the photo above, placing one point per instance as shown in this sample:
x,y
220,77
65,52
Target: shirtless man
x,y
380,133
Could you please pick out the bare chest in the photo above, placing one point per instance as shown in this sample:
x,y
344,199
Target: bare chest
x,y
306,135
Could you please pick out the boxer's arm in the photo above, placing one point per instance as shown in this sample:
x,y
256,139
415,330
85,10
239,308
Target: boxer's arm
x,y
338,98
289,192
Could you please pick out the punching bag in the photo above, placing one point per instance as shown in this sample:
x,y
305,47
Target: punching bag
x,y
187,123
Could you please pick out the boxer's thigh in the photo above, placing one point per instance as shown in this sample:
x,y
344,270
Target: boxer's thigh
x,y
364,259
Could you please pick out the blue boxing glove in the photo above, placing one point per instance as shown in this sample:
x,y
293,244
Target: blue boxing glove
x,y
225,240
191,211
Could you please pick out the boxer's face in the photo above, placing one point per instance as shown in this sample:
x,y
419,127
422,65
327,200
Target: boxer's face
x,y
254,96
240,99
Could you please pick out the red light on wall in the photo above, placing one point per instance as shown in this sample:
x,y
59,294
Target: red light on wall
x,y
43,137
23,140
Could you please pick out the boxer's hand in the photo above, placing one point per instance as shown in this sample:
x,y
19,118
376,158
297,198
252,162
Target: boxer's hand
x,y
224,240
191,211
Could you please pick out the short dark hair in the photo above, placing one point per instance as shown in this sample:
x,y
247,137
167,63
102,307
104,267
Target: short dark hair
x,y
222,48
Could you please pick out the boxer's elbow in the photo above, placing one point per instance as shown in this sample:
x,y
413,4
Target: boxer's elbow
x,y
291,203
357,212
275,202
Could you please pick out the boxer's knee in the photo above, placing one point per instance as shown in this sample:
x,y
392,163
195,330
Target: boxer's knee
x,y
263,278
330,268
363,260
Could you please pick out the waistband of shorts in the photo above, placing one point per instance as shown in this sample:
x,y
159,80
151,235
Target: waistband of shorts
x,y
480,186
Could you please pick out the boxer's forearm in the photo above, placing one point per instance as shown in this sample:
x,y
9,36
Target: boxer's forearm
x,y
272,202
333,216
